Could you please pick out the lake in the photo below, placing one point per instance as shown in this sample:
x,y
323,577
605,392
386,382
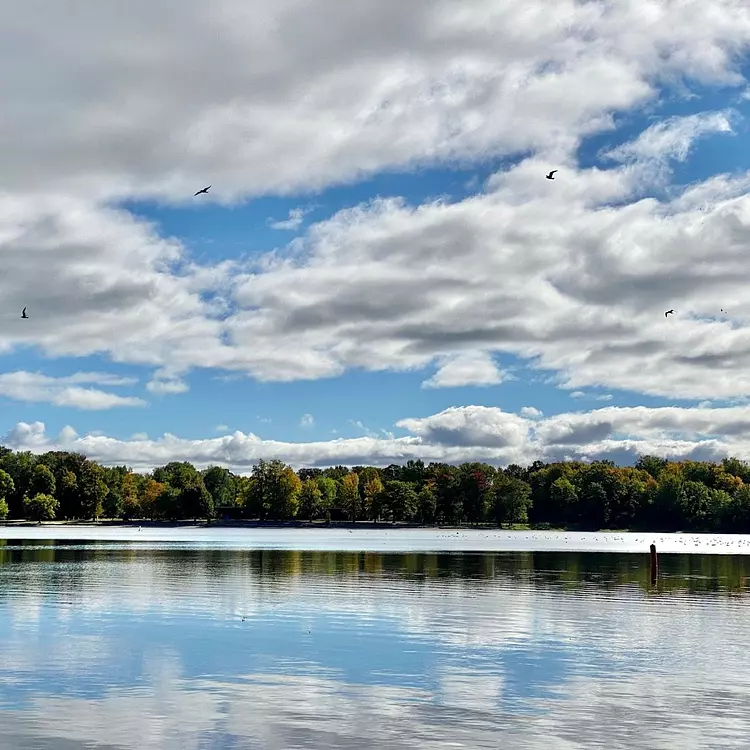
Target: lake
x,y
172,644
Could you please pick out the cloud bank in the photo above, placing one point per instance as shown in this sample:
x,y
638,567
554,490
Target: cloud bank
x,y
571,276
457,434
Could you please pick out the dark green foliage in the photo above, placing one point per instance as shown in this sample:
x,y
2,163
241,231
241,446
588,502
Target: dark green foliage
x,y
42,481
221,485
511,499
41,507
400,500
654,494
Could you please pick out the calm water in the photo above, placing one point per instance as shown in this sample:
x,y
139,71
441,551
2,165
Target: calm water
x,y
132,645
389,540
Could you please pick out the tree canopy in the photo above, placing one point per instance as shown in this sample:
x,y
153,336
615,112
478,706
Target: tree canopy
x,y
654,493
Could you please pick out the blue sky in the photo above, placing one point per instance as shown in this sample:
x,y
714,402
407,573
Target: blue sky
x,y
433,282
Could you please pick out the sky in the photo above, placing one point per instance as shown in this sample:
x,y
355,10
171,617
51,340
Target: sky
x,y
380,270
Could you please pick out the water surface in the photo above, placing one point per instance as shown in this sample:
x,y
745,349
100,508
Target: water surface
x,y
132,646
387,540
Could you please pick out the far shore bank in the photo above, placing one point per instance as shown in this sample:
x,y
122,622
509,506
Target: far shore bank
x,y
244,524
323,525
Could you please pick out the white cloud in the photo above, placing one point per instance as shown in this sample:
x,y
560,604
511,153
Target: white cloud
x,y
35,387
591,396
472,368
531,268
530,412
672,138
294,220
307,420
469,433
222,428
167,386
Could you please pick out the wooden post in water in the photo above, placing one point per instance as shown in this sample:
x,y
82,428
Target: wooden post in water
x,y
654,565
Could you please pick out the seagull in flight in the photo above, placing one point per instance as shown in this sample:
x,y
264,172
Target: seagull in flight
x,y
205,190
668,312
23,313
549,176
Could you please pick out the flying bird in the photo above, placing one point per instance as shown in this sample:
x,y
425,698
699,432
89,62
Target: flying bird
x,y
205,190
549,176
668,312
23,313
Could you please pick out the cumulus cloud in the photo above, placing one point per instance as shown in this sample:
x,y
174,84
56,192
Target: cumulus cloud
x,y
530,412
455,435
35,387
293,221
158,100
307,420
474,368
161,386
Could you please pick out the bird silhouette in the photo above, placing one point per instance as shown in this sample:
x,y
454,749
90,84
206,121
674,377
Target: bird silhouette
x,y
549,176
668,312
205,190
23,313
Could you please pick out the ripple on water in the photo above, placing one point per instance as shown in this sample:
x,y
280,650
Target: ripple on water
x,y
133,647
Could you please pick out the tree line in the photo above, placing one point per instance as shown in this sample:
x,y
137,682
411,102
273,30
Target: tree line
x,y
654,493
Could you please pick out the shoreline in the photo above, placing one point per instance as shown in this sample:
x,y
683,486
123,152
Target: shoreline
x,y
363,539
352,525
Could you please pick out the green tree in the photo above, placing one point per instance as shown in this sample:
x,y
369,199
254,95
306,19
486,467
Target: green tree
x,y
193,499
448,502
273,491
694,499
718,511
349,495
285,497
20,467
593,505
737,468
511,500
737,517
167,503
335,472
310,498
68,495
327,487
651,464
563,497
667,505
42,481
93,490
6,488
400,500
426,504
305,474
40,507
114,478
221,485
